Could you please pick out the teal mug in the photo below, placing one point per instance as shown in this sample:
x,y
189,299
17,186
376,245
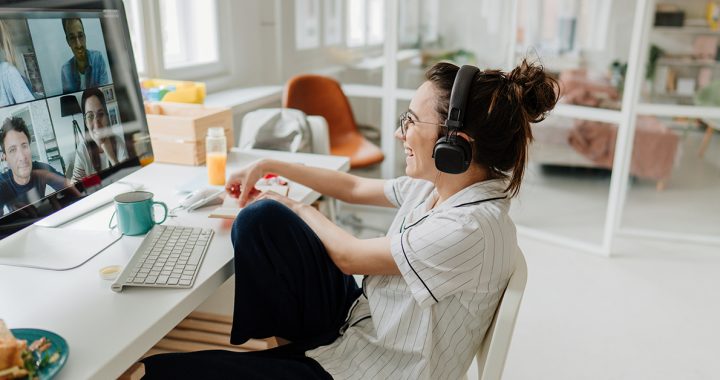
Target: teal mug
x,y
135,214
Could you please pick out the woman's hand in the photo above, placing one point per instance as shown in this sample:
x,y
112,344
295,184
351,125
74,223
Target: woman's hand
x,y
293,205
241,184
109,148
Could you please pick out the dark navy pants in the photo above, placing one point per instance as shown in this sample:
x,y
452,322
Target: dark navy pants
x,y
286,285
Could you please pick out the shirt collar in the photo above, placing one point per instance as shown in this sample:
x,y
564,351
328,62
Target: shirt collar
x,y
478,191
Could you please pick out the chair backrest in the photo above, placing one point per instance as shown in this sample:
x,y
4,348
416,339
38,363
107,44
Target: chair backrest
x,y
494,348
253,121
320,95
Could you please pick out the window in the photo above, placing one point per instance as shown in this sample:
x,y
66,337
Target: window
x,y
179,39
307,24
189,34
132,8
365,22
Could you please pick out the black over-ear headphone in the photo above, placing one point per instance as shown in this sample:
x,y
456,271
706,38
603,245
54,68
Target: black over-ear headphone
x,y
453,152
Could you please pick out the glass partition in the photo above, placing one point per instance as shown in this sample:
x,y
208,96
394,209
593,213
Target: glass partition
x,y
567,182
586,42
342,39
674,179
683,65
469,32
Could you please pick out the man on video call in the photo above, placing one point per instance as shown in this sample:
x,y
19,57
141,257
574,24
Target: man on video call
x,y
86,69
26,180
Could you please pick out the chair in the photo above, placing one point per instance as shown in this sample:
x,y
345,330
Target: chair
x,y
253,120
493,351
319,95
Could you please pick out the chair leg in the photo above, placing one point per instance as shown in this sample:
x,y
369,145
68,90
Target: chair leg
x,y
705,141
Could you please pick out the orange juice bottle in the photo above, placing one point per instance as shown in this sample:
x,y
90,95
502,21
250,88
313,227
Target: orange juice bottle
x,y
216,155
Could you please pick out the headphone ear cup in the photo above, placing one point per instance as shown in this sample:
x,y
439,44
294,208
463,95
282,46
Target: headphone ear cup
x,y
452,154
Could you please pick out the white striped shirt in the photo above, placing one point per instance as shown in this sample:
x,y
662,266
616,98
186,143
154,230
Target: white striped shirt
x,y
455,261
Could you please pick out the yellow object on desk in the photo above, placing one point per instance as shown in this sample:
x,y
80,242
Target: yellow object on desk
x,y
216,168
175,90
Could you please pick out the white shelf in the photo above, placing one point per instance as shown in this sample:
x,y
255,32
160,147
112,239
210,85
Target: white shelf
x,y
687,62
686,30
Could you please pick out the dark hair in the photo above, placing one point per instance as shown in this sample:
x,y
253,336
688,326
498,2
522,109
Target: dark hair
x,y
16,124
66,21
499,111
93,148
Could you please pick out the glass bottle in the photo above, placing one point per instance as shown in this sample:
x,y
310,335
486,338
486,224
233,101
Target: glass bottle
x,y
216,155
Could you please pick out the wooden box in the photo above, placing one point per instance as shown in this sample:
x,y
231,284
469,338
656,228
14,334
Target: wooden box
x,y
178,130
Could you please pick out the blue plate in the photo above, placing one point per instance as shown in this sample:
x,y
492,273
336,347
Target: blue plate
x,y
58,344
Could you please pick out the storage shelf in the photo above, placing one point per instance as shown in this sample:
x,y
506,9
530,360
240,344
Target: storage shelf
x,y
687,62
686,30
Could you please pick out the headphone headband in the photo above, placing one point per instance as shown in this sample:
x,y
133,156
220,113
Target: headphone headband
x,y
458,97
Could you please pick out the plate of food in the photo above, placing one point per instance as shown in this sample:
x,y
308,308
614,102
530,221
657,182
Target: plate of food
x,y
31,353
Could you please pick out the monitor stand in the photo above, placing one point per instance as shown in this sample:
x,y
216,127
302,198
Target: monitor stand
x,y
53,248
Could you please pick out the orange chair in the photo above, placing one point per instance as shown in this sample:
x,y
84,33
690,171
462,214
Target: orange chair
x,y
319,95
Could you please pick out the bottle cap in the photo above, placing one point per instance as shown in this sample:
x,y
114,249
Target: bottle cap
x,y
216,132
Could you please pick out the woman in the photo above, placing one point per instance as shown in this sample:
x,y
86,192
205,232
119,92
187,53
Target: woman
x,y
102,148
431,285
13,88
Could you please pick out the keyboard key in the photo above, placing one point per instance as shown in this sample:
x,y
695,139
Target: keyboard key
x,y
162,280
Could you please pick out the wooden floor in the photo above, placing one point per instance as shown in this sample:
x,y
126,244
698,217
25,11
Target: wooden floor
x,y
199,331
205,331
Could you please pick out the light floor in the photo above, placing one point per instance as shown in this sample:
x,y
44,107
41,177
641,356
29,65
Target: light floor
x,y
652,311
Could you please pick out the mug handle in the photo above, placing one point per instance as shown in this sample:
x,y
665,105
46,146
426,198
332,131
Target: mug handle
x,y
164,206
110,223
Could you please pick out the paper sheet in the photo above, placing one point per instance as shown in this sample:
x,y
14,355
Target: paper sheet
x,y
229,209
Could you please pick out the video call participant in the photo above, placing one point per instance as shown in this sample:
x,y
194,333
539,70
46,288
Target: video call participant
x,y
86,68
102,148
13,88
432,284
26,180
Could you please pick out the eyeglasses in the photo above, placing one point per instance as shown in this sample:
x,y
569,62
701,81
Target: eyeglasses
x,y
91,116
406,120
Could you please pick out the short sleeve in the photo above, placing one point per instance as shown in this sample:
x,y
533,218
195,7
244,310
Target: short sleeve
x,y
396,190
440,257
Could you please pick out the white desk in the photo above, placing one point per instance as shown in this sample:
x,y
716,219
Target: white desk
x,y
108,331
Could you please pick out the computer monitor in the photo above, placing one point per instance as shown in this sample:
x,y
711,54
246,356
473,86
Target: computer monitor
x,y
71,114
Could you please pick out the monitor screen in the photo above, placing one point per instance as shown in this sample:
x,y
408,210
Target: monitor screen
x,y
71,113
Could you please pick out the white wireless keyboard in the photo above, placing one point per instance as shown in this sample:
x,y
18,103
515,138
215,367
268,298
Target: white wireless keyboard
x,y
168,257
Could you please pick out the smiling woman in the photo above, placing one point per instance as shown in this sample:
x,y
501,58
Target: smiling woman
x,y
433,283
102,148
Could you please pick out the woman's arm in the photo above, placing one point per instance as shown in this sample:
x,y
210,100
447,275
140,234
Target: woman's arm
x,y
350,254
343,186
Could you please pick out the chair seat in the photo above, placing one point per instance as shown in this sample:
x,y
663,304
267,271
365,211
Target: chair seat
x,y
362,152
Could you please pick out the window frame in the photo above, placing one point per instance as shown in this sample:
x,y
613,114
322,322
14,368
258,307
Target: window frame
x,y
217,74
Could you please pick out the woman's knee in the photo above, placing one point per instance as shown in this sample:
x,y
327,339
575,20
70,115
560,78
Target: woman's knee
x,y
255,217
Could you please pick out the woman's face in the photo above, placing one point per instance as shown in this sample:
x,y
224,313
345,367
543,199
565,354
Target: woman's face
x,y
95,118
421,134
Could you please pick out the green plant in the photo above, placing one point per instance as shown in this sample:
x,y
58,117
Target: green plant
x,y
655,54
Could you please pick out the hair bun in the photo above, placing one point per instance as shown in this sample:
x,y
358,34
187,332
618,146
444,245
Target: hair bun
x,y
536,91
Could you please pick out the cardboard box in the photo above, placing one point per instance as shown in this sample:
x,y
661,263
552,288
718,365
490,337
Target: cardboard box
x,y
178,130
